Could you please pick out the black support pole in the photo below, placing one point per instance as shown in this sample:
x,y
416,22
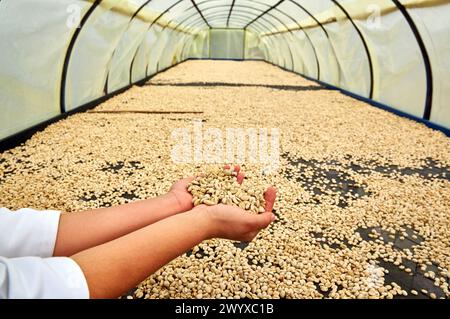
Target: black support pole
x,y
231,11
426,59
366,47
262,14
73,40
200,13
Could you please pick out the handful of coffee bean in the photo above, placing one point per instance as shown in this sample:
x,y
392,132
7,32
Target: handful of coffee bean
x,y
220,186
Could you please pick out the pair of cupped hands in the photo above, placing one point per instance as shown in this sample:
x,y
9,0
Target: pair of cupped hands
x,y
228,222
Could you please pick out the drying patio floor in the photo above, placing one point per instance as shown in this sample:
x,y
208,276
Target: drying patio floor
x,y
364,195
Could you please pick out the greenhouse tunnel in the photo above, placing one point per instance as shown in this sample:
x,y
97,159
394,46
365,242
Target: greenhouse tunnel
x,y
69,55
344,110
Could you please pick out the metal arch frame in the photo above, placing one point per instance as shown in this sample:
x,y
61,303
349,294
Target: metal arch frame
x,y
229,13
259,24
422,47
97,2
194,23
148,29
73,40
181,23
224,15
309,40
226,6
192,7
120,40
425,57
240,13
216,15
366,47
264,13
163,13
319,24
223,6
182,49
274,7
211,15
327,35
310,15
401,8
290,52
137,50
200,12
240,17
185,44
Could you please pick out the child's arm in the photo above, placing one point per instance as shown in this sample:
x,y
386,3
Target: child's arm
x,y
116,267
80,231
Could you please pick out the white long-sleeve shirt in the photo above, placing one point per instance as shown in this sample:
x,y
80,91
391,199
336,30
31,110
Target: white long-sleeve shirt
x,y
27,270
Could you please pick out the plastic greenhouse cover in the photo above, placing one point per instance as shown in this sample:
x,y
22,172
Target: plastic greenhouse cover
x,y
29,87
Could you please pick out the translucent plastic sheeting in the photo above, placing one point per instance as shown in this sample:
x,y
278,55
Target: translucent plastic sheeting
x,y
253,48
304,53
354,70
143,55
173,48
227,44
329,67
88,68
152,65
32,47
272,52
106,48
119,72
199,48
282,42
435,31
399,72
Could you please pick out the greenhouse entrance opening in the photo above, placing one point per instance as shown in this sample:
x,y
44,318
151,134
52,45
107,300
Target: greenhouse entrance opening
x,y
227,44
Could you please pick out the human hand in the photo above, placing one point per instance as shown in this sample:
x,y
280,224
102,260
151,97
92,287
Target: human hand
x,y
184,198
234,223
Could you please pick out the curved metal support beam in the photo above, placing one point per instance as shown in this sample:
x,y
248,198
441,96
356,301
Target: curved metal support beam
x,y
308,38
114,52
73,40
241,14
185,44
325,32
310,15
200,13
290,52
149,27
229,14
226,6
366,47
265,12
425,57
221,6
239,18
164,13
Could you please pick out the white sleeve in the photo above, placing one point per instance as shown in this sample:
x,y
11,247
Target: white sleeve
x,y
41,278
27,232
